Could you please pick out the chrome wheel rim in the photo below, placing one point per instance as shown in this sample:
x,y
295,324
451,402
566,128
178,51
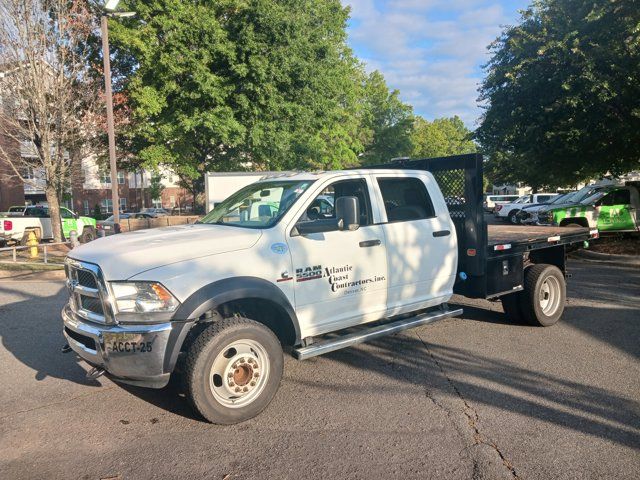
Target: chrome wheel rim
x,y
239,373
549,296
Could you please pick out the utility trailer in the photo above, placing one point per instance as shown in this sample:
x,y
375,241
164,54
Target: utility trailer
x,y
500,261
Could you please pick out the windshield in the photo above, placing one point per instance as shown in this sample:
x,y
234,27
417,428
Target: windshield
x,y
560,198
594,197
259,205
522,199
581,194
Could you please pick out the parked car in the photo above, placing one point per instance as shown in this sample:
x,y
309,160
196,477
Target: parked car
x,y
267,271
526,215
36,219
609,208
108,225
155,212
490,201
509,211
573,198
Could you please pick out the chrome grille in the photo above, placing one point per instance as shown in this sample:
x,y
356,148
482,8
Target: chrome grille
x,y
86,279
87,291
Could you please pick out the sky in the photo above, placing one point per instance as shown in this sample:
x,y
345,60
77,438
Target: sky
x,y
431,50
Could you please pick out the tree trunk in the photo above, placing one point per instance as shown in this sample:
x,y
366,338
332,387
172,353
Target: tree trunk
x,y
54,212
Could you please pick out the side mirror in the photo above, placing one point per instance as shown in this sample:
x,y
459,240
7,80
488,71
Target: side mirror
x,y
348,213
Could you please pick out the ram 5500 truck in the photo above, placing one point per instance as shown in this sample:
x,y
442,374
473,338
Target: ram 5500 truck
x,y
305,263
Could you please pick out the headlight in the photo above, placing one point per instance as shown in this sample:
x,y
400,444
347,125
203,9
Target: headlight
x,y
142,297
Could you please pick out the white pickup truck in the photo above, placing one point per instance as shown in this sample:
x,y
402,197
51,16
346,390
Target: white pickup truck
x,y
36,219
278,267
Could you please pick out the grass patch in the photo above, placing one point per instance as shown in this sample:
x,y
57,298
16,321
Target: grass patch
x,y
31,267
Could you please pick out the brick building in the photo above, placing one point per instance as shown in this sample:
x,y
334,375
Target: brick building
x,y
91,187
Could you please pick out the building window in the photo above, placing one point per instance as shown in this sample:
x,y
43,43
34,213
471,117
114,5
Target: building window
x,y
85,207
107,205
157,203
123,204
121,178
105,177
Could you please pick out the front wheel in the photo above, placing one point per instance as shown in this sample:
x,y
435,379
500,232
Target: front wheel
x,y
544,295
512,217
233,370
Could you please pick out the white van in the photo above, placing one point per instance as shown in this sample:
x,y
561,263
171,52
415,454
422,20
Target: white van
x,y
490,201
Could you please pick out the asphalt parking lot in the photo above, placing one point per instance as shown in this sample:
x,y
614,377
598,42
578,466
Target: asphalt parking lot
x,y
474,397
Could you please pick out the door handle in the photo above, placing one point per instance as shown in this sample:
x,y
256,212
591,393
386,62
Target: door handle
x,y
441,233
370,243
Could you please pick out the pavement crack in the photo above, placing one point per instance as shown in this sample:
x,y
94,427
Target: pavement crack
x,y
40,407
471,414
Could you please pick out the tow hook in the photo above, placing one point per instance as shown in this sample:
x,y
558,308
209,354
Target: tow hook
x,y
65,348
94,373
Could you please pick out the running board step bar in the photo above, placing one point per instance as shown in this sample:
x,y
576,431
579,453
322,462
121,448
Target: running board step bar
x,y
330,345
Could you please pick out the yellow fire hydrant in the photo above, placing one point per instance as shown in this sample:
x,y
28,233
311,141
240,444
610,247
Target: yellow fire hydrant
x,y
32,241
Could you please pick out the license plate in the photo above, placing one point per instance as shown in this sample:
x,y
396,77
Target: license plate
x,y
126,343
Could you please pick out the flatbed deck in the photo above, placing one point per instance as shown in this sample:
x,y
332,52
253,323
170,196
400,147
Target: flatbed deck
x,y
502,234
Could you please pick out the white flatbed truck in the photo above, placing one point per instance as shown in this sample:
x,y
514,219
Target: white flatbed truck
x,y
277,267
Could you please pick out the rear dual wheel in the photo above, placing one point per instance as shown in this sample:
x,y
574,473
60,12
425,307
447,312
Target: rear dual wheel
x,y
541,302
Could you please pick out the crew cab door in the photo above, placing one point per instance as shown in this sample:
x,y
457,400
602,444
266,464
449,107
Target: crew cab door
x,y
340,276
68,222
615,210
422,253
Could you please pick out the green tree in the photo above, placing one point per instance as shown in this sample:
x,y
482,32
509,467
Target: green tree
x,y
156,187
238,84
563,93
387,123
441,137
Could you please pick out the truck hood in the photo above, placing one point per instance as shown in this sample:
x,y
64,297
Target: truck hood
x,y
127,254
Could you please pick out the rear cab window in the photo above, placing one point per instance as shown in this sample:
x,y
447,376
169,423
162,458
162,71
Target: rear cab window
x,y
405,199
617,197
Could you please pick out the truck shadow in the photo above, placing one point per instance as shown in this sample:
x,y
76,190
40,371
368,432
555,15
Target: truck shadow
x,y
486,380
31,330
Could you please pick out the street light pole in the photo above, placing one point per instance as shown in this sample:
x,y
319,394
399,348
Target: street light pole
x,y
112,139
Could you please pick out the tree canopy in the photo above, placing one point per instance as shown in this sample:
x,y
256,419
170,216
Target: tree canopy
x,y
563,93
441,137
250,84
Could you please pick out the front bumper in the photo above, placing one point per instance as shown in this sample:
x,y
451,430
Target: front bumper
x,y
143,355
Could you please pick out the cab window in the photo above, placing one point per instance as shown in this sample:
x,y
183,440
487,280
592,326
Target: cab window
x,y
64,213
405,199
322,207
617,197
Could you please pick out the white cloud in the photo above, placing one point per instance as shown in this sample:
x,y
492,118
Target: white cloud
x,y
431,50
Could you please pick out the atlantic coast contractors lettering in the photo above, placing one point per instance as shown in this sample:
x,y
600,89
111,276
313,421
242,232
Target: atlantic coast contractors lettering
x,y
339,278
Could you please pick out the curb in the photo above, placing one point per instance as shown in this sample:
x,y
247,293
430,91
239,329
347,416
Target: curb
x,y
31,276
621,260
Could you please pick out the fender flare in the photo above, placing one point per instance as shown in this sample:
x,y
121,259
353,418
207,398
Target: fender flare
x,y
210,296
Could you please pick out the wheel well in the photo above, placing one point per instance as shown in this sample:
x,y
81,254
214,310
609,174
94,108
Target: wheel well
x,y
551,255
269,313
578,220
36,230
263,311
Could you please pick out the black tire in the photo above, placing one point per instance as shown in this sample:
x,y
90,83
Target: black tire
x,y
533,295
512,217
207,348
511,305
88,234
